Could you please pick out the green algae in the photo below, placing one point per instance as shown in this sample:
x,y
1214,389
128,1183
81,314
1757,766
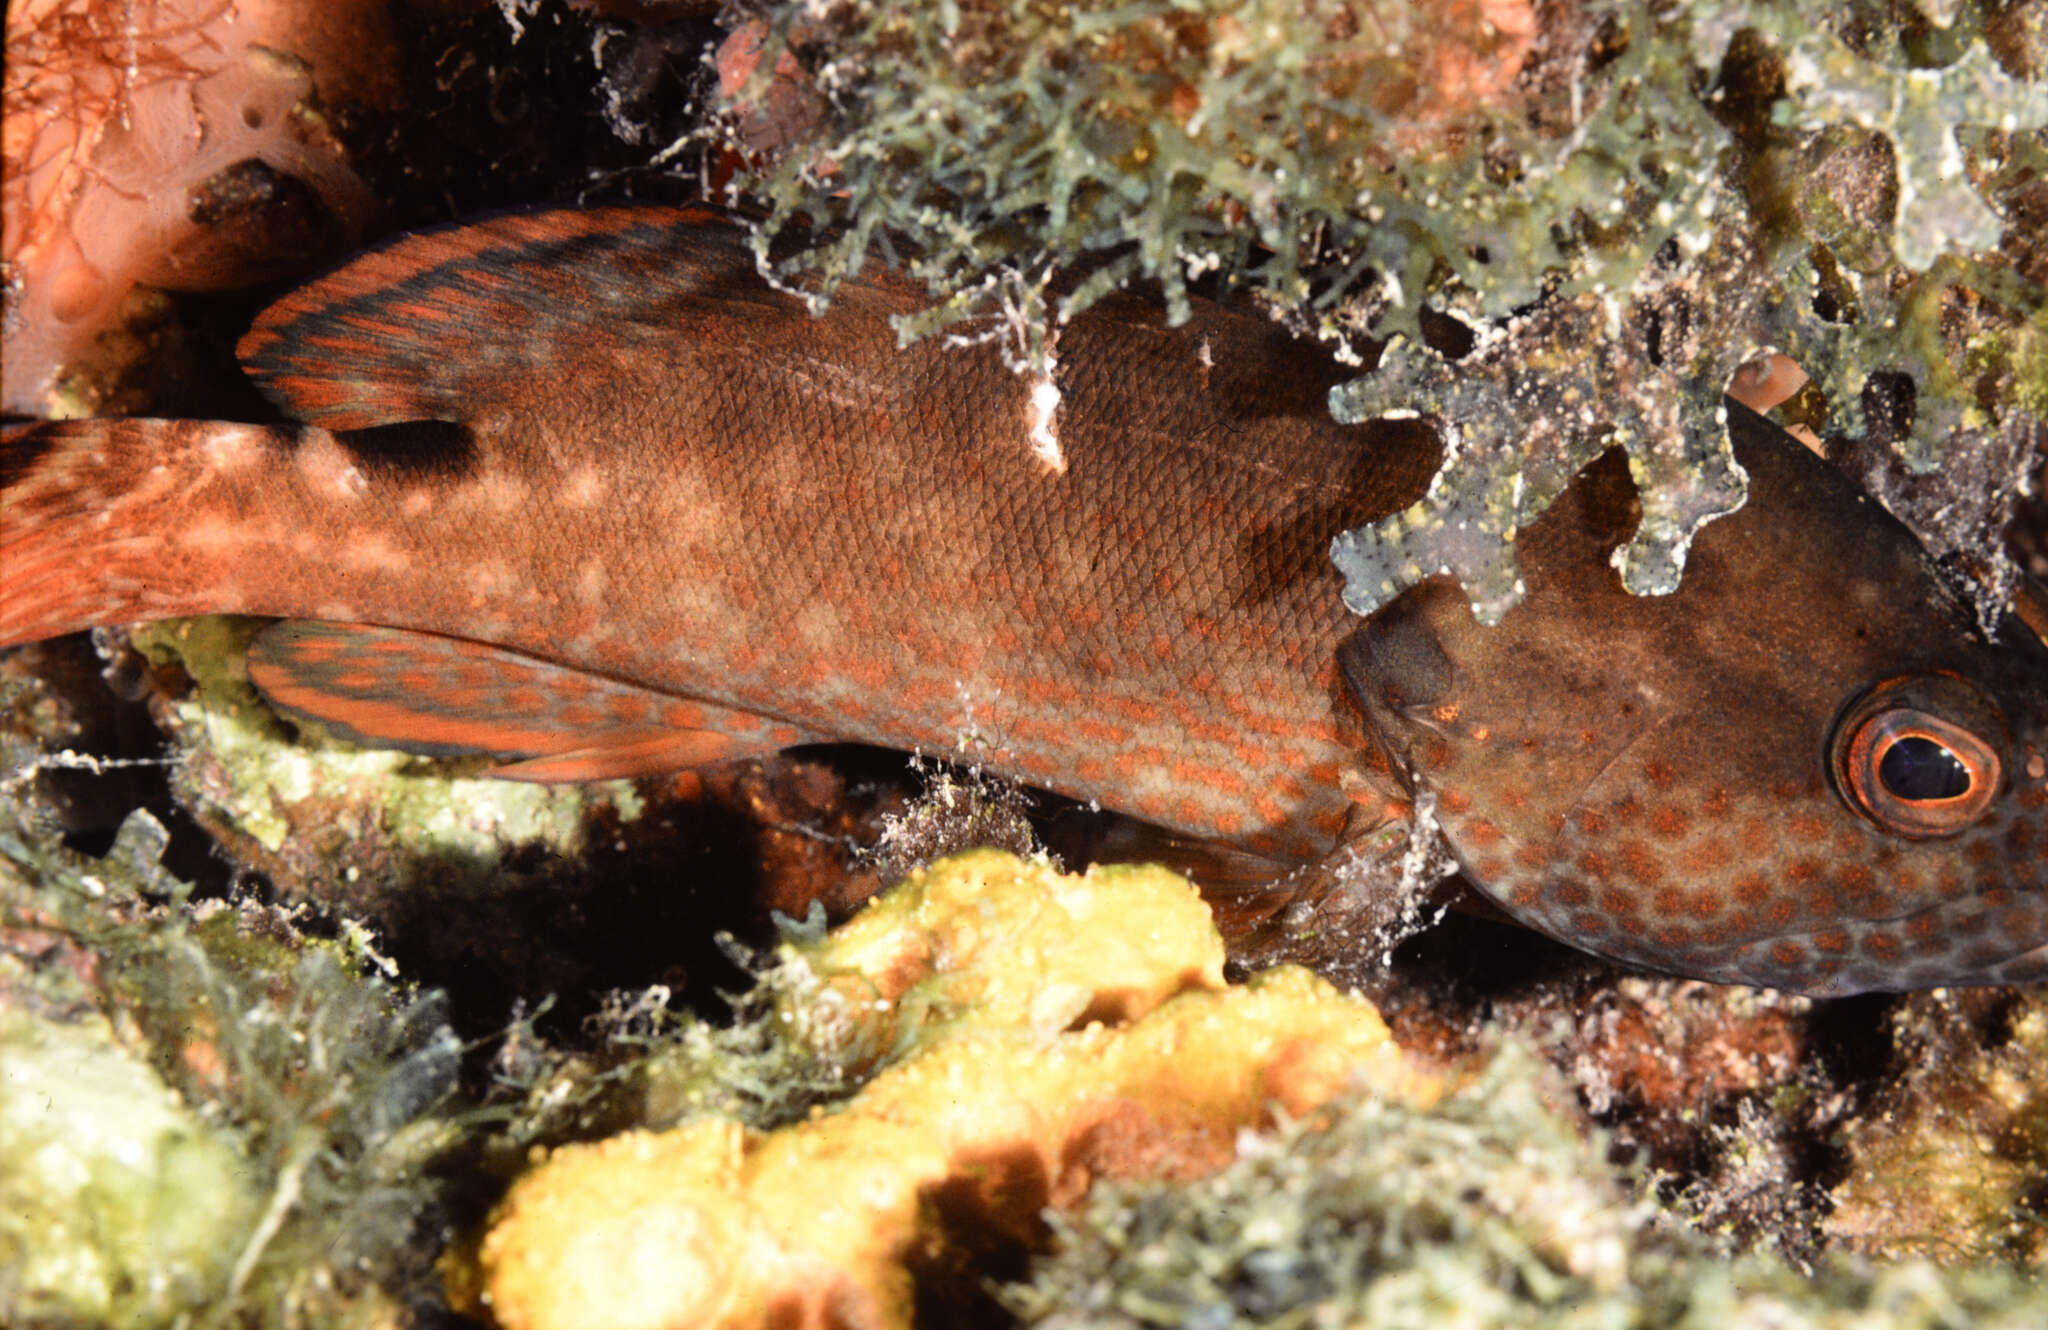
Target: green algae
x,y
1494,1209
1575,394
788,1044
1623,213
1253,142
812,1027
114,1195
1922,112
1490,1209
207,1117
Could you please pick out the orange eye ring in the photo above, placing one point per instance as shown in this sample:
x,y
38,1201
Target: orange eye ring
x,y
1912,770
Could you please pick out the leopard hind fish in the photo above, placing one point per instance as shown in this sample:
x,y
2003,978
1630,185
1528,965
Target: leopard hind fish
x,y
578,489
1808,769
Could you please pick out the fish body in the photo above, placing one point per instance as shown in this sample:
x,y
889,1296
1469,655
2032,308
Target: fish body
x,y
613,504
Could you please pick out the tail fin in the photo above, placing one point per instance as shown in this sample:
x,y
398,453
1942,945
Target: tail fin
x,y
97,521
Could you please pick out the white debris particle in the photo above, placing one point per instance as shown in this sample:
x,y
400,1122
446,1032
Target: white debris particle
x,y
1044,412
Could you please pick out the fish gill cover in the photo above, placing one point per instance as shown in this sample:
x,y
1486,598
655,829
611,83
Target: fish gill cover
x,y
1613,205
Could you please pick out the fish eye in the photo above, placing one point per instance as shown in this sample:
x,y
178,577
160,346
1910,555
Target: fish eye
x,y
1920,756
1921,769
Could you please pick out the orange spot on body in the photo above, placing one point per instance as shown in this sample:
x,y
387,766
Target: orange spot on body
x,y
676,715
1218,778
1705,856
1640,863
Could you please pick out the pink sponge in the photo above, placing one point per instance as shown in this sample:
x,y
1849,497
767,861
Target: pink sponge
x,y
170,144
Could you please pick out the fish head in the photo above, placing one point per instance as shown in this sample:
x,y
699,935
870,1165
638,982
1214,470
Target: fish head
x,y
1806,769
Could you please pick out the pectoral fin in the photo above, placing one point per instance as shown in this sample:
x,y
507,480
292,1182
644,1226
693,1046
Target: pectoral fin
x,y
422,693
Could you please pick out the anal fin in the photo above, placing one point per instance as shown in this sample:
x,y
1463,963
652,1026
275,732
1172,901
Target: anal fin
x,y
424,693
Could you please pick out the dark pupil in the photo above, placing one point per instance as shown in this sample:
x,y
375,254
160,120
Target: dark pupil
x,y
1921,769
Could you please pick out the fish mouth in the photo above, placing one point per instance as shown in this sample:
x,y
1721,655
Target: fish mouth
x,y
2026,967
1651,724
2030,606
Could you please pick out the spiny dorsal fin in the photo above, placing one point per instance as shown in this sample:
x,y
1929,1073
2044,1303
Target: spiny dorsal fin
x,y
444,324
423,693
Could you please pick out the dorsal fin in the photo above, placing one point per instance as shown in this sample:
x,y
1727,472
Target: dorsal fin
x,y
442,325
442,695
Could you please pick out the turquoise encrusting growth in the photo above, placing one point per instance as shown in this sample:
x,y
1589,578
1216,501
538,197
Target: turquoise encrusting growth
x,y
1570,395
1624,202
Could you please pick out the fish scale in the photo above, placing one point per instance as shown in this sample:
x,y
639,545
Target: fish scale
x,y
578,489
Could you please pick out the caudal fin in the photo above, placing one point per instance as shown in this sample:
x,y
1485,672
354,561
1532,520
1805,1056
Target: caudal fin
x,y
103,521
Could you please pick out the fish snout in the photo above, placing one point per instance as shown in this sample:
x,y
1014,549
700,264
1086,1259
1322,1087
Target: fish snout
x,y
1904,845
